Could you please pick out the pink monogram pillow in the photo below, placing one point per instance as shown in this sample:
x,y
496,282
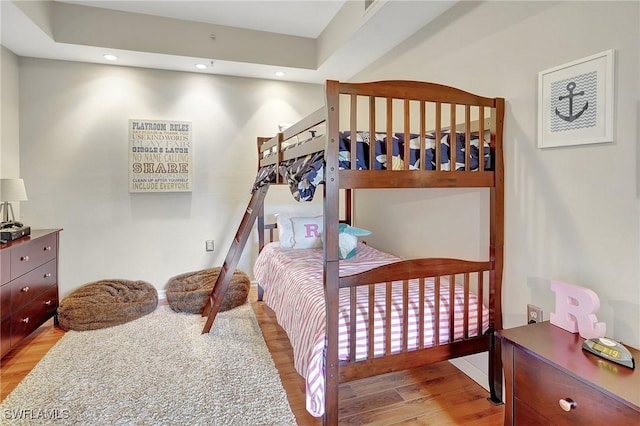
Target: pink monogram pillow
x,y
299,232
307,231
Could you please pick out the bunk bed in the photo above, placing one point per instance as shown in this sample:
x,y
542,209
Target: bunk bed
x,y
439,308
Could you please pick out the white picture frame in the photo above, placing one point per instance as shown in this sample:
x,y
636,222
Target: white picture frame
x,y
576,102
160,156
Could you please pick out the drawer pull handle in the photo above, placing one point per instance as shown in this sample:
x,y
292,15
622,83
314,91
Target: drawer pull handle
x,y
25,320
24,289
47,303
47,248
24,258
567,404
47,275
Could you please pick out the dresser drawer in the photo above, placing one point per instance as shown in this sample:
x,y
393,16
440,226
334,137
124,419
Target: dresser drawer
x,y
5,266
5,335
541,386
527,416
5,300
33,315
31,284
32,254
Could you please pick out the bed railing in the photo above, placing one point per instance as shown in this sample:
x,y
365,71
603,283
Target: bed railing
x,y
411,120
417,275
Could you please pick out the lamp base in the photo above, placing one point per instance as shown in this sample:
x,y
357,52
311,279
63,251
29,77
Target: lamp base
x,y
5,209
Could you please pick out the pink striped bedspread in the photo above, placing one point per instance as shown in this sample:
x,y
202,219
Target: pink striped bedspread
x,y
293,284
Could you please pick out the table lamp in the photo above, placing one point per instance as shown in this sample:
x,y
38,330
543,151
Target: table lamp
x,y
10,190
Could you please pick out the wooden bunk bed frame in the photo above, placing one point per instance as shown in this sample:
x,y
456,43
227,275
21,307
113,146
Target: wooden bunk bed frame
x,y
409,94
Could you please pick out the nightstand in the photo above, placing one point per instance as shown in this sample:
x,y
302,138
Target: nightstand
x,y
550,380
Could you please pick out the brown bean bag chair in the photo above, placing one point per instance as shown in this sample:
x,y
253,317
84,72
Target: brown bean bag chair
x,y
106,303
189,292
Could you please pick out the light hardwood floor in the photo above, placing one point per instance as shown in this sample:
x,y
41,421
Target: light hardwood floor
x,y
437,394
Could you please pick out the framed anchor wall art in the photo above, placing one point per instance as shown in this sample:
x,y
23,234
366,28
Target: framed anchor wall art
x,y
576,102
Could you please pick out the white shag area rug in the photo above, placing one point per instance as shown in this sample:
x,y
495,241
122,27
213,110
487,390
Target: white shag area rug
x,y
156,370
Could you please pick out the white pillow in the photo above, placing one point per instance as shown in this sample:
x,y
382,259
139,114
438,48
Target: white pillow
x,y
285,231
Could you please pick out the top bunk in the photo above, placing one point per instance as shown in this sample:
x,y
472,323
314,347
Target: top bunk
x,y
438,136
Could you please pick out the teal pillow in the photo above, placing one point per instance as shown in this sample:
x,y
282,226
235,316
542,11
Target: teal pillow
x,y
348,240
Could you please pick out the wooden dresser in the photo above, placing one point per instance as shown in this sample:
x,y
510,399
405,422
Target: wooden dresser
x,y
29,285
546,369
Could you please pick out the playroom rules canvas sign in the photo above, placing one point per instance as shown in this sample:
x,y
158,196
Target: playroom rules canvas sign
x,y
159,156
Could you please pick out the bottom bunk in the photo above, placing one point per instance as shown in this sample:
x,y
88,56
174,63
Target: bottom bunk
x,y
424,311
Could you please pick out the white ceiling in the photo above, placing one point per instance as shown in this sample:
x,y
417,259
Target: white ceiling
x,y
305,18
309,40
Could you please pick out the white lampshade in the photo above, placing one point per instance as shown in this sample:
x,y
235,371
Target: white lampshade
x,y
12,190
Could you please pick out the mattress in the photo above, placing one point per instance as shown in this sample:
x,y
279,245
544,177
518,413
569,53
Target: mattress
x,y
292,280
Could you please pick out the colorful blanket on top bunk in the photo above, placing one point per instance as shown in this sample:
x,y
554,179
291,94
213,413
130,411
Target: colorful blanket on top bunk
x,y
304,174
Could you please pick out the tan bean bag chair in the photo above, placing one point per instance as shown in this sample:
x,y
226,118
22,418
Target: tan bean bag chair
x,y
106,303
189,292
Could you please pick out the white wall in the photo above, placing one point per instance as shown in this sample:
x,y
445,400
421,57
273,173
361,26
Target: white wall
x,y
571,213
9,124
74,159
9,120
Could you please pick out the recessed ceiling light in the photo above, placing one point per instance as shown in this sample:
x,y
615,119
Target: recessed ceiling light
x,y
279,73
201,66
110,57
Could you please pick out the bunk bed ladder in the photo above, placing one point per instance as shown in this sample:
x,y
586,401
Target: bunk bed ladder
x,y
256,204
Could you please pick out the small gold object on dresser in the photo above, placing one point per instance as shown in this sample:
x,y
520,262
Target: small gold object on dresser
x,y
550,380
28,285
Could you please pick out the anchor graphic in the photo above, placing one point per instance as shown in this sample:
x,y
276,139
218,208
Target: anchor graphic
x,y
570,88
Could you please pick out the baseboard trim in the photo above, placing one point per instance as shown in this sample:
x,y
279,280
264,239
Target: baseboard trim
x,y
472,371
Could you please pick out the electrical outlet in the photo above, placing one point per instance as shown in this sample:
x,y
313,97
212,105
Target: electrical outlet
x,y
209,245
534,314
